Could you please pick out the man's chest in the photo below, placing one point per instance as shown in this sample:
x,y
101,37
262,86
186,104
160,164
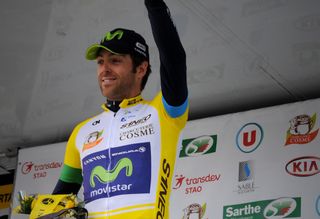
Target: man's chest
x,y
110,130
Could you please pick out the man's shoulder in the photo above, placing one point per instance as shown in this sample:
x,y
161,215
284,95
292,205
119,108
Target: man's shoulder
x,y
157,98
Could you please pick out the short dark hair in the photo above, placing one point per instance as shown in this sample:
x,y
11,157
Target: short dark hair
x,y
136,61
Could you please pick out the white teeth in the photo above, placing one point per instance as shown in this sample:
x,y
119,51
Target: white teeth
x,y
108,80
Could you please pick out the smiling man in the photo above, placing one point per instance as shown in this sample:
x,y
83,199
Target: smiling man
x,y
124,157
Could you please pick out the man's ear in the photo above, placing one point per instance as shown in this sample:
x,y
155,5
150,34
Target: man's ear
x,y
142,69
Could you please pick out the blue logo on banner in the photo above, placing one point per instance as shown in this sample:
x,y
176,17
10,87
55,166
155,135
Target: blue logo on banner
x,y
245,170
318,205
117,171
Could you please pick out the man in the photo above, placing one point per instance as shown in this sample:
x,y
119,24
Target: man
x,y
125,156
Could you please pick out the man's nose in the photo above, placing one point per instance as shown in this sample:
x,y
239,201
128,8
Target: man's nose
x,y
105,67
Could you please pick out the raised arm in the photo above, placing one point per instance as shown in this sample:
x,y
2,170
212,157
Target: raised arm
x,y
171,53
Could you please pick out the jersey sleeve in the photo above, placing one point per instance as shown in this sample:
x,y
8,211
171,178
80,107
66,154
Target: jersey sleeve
x,y
172,58
72,155
70,179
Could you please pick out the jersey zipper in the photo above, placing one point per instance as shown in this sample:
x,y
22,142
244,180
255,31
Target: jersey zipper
x,y
112,134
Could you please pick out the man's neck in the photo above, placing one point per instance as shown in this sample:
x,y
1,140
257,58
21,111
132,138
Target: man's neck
x,y
113,105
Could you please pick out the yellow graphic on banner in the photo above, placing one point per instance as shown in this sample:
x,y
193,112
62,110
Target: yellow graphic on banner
x,y
5,195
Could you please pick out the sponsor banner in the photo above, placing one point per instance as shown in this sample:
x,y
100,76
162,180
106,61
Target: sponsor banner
x,y
249,156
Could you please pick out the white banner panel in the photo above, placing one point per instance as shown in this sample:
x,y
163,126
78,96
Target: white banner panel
x,y
257,164
38,170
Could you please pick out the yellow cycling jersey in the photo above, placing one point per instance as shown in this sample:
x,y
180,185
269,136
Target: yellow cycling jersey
x,y
127,158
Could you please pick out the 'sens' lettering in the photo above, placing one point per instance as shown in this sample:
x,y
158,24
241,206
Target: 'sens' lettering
x,y
164,190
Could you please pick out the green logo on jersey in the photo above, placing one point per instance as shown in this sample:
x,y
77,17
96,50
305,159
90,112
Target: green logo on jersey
x,y
107,176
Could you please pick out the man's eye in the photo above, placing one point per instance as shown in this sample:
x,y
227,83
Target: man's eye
x,y
115,60
99,61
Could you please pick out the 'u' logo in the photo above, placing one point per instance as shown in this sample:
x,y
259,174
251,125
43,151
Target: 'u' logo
x,y
249,139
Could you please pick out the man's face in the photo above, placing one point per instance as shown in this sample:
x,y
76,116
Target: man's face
x,y
116,78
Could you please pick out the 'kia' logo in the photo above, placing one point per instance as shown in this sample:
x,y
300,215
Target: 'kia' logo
x,y
303,166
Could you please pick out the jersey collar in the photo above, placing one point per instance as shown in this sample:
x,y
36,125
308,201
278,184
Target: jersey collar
x,y
126,102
